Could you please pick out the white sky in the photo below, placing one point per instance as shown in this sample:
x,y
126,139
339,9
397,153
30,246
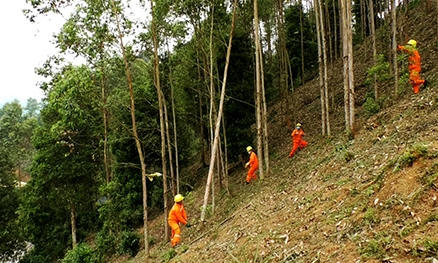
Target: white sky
x,y
23,47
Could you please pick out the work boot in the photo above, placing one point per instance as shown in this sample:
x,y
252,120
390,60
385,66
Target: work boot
x,y
425,84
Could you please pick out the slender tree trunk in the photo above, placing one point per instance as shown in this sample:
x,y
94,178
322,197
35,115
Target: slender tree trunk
x,y
169,147
175,138
219,118
373,39
161,105
259,89
394,45
73,226
319,36
348,65
225,155
135,133
335,30
324,54
302,42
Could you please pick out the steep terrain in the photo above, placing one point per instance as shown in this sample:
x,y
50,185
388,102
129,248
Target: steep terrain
x,y
368,199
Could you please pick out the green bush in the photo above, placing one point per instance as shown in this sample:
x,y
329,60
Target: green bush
x,y
380,70
129,243
371,106
82,253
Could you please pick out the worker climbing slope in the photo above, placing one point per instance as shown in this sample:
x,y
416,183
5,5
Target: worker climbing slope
x,y
253,164
298,142
414,65
177,216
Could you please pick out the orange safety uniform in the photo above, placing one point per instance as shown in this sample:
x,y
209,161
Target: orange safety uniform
x,y
177,215
253,166
297,141
414,66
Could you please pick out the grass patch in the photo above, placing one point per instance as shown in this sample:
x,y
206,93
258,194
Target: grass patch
x,y
377,247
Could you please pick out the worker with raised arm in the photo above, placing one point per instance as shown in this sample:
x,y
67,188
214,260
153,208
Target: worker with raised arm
x,y
177,216
414,65
298,142
253,164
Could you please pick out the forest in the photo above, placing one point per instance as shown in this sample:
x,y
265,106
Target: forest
x,y
184,89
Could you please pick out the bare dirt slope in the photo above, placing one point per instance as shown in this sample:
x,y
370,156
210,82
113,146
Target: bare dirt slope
x,y
368,199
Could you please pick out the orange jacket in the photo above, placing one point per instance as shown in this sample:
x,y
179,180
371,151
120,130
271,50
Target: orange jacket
x,y
178,214
297,135
253,160
414,57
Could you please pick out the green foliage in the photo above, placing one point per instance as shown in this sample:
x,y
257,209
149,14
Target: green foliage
x,y
408,157
380,70
171,253
370,106
431,246
129,243
370,216
377,247
10,239
82,253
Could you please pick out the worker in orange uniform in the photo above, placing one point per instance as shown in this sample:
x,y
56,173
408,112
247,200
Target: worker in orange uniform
x,y
177,216
298,142
253,165
414,65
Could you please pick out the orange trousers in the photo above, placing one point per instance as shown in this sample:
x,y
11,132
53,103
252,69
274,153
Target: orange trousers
x,y
297,145
416,81
176,233
251,174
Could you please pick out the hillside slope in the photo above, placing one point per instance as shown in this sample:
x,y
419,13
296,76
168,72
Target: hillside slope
x,y
371,199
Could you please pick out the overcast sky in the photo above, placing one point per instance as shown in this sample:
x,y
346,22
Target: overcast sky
x,y
23,47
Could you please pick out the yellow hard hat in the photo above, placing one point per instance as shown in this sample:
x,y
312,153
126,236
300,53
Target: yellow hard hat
x,y
178,198
249,148
412,43
298,124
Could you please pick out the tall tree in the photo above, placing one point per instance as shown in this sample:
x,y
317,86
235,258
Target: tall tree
x,y
219,117
116,11
347,48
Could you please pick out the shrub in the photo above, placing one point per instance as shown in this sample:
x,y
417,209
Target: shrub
x,y
129,243
82,253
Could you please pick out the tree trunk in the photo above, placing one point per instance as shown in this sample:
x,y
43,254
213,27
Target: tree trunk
x,y
135,133
373,39
394,45
259,89
319,32
324,54
218,119
175,138
161,104
74,241
347,48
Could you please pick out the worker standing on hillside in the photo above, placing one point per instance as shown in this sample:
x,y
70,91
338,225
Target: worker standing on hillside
x,y
177,215
298,142
253,164
414,65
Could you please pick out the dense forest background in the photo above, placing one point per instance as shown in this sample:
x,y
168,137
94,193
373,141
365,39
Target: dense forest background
x,y
151,100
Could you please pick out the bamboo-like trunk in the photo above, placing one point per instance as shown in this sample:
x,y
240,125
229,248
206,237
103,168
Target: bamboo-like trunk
x,y
218,119
259,76
135,133
394,45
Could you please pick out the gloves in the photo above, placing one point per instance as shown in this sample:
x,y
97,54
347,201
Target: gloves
x,y
188,224
246,165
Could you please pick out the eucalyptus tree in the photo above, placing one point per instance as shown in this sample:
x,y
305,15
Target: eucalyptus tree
x,y
347,51
322,59
65,172
219,117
